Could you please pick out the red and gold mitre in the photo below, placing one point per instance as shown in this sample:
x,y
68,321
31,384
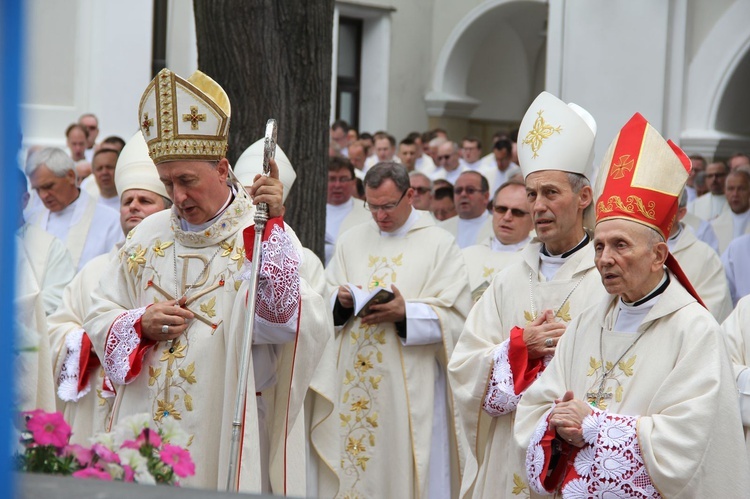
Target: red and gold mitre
x,y
184,119
641,177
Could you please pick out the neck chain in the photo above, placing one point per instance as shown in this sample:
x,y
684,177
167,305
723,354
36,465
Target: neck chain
x,y
200,276
531,293
600,393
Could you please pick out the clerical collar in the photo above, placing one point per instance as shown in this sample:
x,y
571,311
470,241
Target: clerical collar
x,y
580,245
188,227
401,231
659,289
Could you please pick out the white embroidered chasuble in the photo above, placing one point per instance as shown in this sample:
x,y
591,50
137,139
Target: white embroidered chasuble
x,y
86,411
668,420
383,431
494,466
737,337
703,268
193,380
483,263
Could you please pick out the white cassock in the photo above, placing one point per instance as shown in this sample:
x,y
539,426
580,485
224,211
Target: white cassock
x,y
339,219
737,267
194,379
703,268
85,399
666,421
491,353
425,164
729,226
87,228
702,230
49,261
708,206
394,434
469,232
483,261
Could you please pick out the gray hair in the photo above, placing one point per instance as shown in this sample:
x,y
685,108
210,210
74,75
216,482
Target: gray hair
x,y
577,182
387,170
740,172
53,158
420,174
683,199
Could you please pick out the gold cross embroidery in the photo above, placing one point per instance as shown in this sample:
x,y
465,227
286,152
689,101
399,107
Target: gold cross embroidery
x,y
147,123
539,133
194,117
624,164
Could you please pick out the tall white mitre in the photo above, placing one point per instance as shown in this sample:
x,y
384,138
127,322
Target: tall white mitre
x,y
136,170
250,164
556,136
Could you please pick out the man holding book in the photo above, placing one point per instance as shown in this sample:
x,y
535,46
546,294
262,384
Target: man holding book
x,y
395,409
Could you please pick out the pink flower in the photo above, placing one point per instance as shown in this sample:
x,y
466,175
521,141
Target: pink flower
x,y
105,454
130,444
129,473
49,428
81,454
149,436
179,459
93,473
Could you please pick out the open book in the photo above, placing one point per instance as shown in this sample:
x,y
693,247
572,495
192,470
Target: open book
x,y
364,299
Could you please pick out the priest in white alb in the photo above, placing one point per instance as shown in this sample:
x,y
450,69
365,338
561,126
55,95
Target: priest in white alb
x,y
639,400
737,336
513,329
395,432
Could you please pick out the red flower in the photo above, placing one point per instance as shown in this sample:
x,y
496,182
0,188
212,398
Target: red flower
x,y
93,473
105,454
129,474
49,428
179,459
81,454
149,436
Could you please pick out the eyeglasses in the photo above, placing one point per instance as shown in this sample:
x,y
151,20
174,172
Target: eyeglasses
x,y
502,210
385,207
469,190
339,180
422,190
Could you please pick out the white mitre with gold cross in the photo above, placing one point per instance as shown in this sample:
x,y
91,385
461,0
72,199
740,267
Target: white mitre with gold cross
x,y
556,136
184,119
135,169
250,164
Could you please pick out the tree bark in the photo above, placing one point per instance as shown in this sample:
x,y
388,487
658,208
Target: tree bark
x,y
273,58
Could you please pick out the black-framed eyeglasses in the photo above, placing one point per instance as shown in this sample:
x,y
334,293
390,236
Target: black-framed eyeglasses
x,y
422,190
339,180
385,207
502,210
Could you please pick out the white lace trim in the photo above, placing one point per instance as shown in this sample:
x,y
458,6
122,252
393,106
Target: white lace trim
x,y
67,381
611,463
535,456
121,342
501,395
278,287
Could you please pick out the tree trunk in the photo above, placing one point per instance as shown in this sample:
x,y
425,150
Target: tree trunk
x,y
273,58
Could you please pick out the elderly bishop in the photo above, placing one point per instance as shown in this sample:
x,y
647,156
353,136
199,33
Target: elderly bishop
x,y
639,400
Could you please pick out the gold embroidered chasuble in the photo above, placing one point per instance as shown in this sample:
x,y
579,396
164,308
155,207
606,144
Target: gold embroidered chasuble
x,y
737,338
482,264
90,413
194,380
386,390
494,465
675,381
